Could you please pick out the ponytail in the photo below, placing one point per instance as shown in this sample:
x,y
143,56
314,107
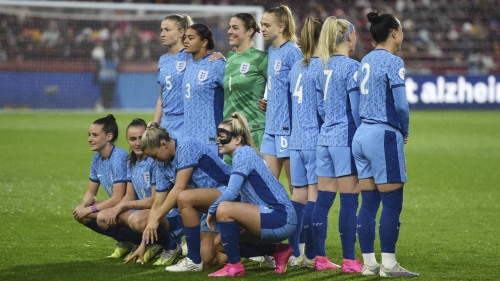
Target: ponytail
x,y
153,136
283,15
239,124
309,37
334,32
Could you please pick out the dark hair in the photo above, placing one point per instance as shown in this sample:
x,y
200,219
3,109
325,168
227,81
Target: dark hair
x,y
309,37
205,34
381,25
249,22
183,22
108,126
137,122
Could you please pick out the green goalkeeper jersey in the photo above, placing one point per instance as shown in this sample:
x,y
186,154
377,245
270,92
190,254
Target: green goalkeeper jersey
x,y
244,83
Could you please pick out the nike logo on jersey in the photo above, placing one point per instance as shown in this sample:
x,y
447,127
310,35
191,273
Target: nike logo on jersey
x,y
282,150
99,175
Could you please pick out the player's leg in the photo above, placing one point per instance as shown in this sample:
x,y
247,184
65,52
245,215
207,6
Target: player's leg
x,y
126,238
191,202
269,150
309,254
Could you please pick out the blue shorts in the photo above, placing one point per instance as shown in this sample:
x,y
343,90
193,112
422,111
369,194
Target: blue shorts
x,y
378,150
275,145
174,124
335,161
175,223
274,225
303,167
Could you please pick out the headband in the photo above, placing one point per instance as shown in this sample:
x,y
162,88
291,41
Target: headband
x,y
351,28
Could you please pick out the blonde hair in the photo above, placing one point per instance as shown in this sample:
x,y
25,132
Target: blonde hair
x,y
183,22
309,37
154,134
239,124
283,15
333,30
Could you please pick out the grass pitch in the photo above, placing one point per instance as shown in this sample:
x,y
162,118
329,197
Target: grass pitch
x,y
450,221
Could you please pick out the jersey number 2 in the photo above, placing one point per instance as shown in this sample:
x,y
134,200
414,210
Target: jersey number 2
x,y
366,69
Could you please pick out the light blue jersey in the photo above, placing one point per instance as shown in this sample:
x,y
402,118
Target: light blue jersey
x,y
109,171
379,73
336,82
171,70
260,187
209,171
278,111
164,176
305,119
203,98
141,175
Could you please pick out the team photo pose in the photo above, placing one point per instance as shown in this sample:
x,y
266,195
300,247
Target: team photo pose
x,y
264,211
171,67
303,139
278,27
378,145
109,170
197,167
245,75
202,87
339,95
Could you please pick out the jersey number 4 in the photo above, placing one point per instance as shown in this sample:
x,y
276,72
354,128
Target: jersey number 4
x,y
298,89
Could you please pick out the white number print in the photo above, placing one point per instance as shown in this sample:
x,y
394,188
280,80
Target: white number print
x,y
328,74
269,82
298,90
169,84
283,142
188,89
366,69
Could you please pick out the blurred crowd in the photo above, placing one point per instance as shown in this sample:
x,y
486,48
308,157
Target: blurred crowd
x,y
439,34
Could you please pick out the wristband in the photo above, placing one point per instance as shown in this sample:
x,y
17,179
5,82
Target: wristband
x,y
94,209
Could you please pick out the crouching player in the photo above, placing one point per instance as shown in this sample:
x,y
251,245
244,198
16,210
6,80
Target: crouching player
x,y
265,211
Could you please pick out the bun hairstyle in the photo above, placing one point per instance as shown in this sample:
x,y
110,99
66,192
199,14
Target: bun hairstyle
x,y
283,15
239,124
381,26
249,22
108,126
309,37
137,122
332,33
153,136
183,22
205,33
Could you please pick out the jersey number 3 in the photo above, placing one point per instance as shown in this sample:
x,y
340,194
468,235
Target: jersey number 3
x,y
366,70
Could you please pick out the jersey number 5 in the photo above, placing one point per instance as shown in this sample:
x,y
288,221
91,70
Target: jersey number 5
x,y
366,70
168,83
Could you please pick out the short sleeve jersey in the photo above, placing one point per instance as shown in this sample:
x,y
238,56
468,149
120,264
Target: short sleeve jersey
x,y
281,60
260,187
141,175
109,171
379,73
244,83
203,98
209,170
164,176
336,82
171,70
305,118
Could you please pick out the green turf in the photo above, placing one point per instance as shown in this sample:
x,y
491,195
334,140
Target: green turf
x,y
450,221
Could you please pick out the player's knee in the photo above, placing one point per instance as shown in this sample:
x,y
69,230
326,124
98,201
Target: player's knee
x,y
224,211
135,223
183,200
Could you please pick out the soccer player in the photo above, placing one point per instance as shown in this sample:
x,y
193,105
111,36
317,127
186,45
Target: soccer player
x,y
202,87
378,145
108,169
335,164
171,67
265,211
196,166
303,139
278,27
245,75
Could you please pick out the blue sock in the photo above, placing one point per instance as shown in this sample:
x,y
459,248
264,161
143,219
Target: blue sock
x,y
128,235
164,239
193,237
230,236
320,220
392,204
347,224
366,220
92,224
294,239
307,230
178,240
